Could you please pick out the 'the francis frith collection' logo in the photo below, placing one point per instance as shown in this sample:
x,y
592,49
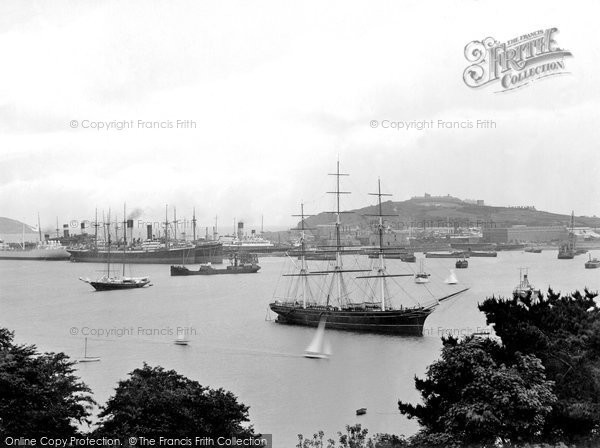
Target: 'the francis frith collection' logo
x,y
515,63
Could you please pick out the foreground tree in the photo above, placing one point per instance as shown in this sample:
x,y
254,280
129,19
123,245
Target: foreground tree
x,y
564,333
39,394
154,402
476,395
354,437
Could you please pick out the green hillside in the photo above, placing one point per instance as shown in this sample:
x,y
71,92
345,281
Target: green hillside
x,y
8,226
439,211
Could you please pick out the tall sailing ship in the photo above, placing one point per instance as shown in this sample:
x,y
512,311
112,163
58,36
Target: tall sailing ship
x,y
373,313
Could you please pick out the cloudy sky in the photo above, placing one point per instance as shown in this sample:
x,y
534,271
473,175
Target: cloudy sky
x,y
278,91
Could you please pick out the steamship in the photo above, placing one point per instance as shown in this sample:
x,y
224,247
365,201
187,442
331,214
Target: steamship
x,y
241,243
152,251
42,250
333,302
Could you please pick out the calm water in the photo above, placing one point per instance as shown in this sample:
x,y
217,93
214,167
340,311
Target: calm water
x,y
236,348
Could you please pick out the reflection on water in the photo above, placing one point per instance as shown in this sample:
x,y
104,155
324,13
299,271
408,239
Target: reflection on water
x,y
233,346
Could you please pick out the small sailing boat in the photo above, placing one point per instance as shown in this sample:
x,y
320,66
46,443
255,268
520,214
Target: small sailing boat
x,y
181,340
451,280
421,276
108,282
87,358
319,347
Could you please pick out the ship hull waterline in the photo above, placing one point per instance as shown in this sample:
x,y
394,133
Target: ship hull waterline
x,y
406,322
101,286
403,322
206,254
177,271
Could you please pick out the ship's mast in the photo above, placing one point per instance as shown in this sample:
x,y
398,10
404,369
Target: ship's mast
x,y
104,225
175,223
338,241
96,230
303,274
39,227
573,230
194,223
116,231
108,231
381,274
124,235
167,226
303,267
124,225
338,270
381,269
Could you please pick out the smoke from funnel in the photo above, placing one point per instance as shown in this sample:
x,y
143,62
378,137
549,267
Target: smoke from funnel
x,y
135,213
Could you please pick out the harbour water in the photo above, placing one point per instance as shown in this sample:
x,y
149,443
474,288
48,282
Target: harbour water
x,y
233,346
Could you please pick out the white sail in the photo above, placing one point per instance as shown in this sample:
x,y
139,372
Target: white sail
x,y
318,347
181,340
87,358
451,280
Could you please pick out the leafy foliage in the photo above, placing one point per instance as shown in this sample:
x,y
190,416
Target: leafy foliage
x,y
474,395
564,333
39,394
354,437
154,402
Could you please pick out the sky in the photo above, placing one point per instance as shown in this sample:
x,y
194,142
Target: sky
x,y
279,91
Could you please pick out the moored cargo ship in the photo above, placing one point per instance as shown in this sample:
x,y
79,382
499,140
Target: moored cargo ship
x,y
203,252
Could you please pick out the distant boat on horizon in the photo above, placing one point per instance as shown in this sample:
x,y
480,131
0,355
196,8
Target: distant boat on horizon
x,y
567,250
592,263
422,276
463,263
524,288
181,339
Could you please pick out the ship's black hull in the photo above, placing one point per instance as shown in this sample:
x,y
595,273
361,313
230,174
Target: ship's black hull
x,y
204,253
112,286
407,322
407,258
447,255
483,254
565,256
183,271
